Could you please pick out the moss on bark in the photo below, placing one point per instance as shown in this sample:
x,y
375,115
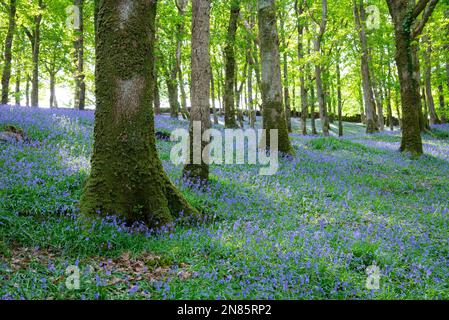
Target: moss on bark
x,y
127,177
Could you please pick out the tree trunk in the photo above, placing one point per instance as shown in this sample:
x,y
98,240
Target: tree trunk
x,y
157,96
80,84
318,71
339,99
52,90
127,178
198,169
312,107
230,66
272,100
286,80
252,112
36,42
6,75
27,91
212,90
411,133
172,89
299,8
441,98
181,5
433,118
18,94
370,105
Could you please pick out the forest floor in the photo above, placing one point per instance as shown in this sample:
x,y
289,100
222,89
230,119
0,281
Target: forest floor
x,y
308,232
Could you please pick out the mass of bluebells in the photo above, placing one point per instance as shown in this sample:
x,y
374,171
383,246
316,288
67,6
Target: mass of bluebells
x,y
336,207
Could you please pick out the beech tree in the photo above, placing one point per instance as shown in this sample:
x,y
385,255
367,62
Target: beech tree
x,y
198,169
408,26
127,177
6,75
272,98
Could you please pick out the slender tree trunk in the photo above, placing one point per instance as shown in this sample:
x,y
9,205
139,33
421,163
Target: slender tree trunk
x,y
80,84
181,4
52,90
127,178
299,8
370,105
219,90
339,98
312,108
252,112
389,110
172,89
36,41
441,97
27,91
428,83
398,109
6,75
198,169
18,94
272,100
157,96
318,71
212,87
425,115
230,66
286,80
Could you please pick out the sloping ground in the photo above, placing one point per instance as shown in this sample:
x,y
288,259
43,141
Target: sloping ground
x,y
311,231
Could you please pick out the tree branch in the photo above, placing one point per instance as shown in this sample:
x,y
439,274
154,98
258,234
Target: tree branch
x,y
417,30
420,6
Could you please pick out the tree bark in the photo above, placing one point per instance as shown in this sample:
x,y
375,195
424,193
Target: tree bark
x,y
272,100
433,117
318,71
368,96
200,89
286,79
35,39
53,103
127,178
80,84
17,94
181,5
172,89
157,97
404,15
6,75
27,91
339,98
230,67
212,89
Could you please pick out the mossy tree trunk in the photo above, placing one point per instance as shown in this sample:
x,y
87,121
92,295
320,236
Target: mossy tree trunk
x,y
6,74
272,99
230,67
407,27
198,169
127,178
